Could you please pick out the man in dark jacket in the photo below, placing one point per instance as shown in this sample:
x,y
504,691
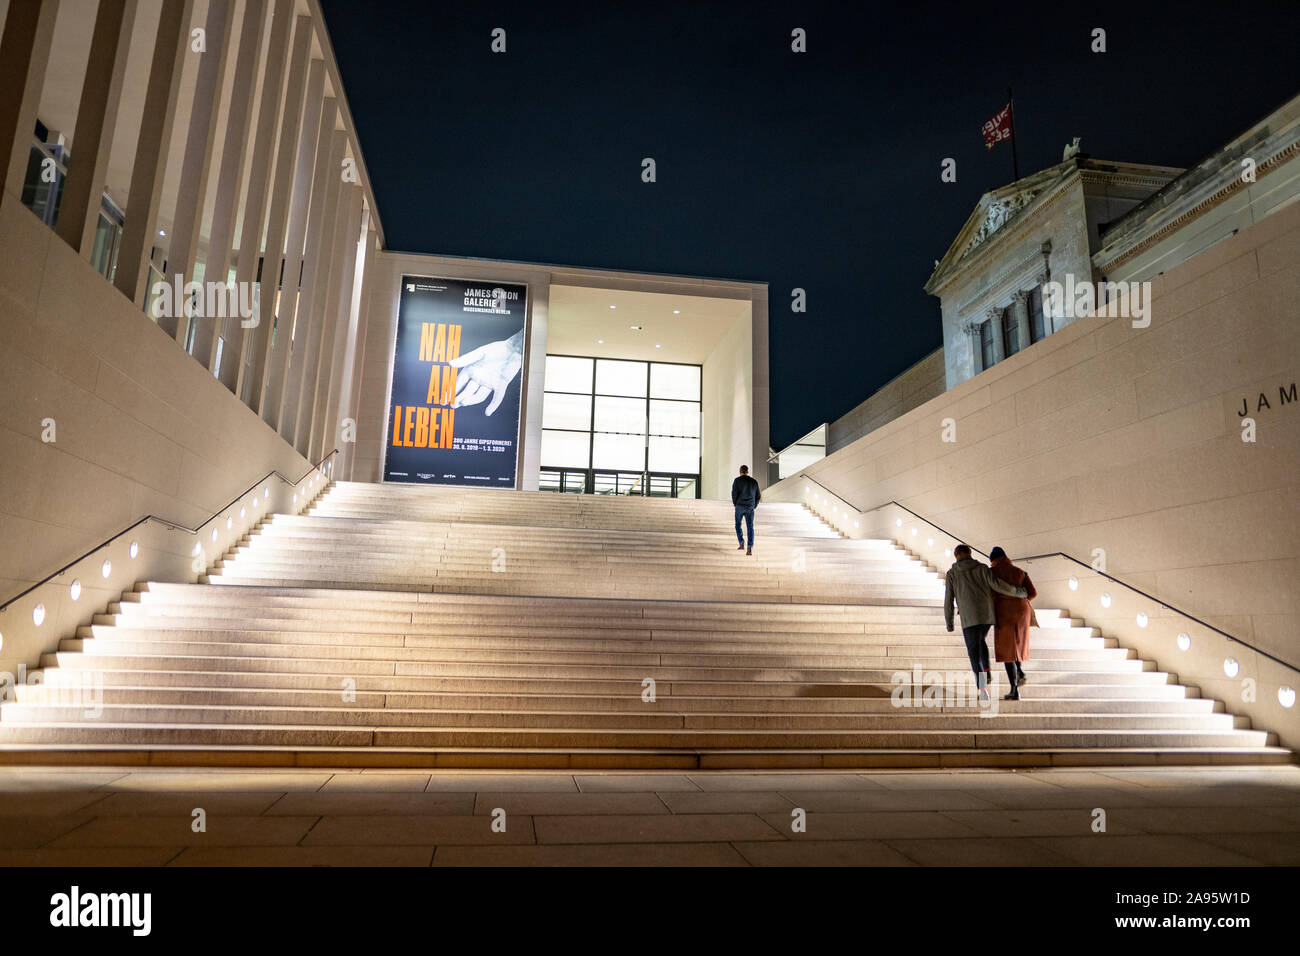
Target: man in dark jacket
x,y
970,586
745,496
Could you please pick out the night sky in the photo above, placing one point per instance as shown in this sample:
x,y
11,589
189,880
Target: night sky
x,y
817,170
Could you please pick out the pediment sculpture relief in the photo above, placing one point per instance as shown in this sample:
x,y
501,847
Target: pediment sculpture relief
x,y
999,212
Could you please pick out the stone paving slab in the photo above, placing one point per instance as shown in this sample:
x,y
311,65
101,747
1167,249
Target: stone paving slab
x,y
1155,817
389,830
619,854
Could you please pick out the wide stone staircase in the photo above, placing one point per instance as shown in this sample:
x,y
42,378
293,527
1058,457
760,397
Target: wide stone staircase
x,y
398,625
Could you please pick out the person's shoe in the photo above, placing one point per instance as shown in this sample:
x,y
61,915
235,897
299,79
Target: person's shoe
x,y
1011,696
1021,679
749,550
740,547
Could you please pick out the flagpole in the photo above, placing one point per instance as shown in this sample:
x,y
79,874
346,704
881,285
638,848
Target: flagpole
x,y
1011,117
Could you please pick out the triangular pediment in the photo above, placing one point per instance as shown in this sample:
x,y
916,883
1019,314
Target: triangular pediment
x,y
996,209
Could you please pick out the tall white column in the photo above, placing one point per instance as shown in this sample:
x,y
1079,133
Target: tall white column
x,y
297,125
248,62
24,57
350,394
259,185
183,248
322,245
92,141
161,100
300,255
323,406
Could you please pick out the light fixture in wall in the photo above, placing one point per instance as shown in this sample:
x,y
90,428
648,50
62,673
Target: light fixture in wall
x,y
198,547
266,493
1184,641
806,489
230,523
134,550
636,328
947,552
899,522
915,532
1106,599
242,512
214,534
162,232
1230,667
106,568
1074,584
857,524
1286,696
929,542
1142,619
677,311
2,641
613,307
38,615
836,509
600,341
295,499
658,346
74,590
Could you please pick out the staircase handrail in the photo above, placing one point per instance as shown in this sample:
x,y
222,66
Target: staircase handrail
x,y
1058,554
167,523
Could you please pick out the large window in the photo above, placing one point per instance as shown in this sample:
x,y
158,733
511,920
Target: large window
x,y
986,344
1037,321
1010,332
634,427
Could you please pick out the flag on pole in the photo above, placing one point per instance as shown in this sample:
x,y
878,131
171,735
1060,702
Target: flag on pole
x,y
998,127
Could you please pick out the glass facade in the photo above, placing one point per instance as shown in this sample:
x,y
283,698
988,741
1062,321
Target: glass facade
x,y
614,426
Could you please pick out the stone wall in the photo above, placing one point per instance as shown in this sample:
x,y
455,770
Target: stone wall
x,y
920,383
1103,436
138,426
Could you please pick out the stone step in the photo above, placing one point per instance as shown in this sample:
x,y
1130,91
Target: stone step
x,y
798,656
350,667
1130,687
588,703
968,717
522,637
288,735
397,650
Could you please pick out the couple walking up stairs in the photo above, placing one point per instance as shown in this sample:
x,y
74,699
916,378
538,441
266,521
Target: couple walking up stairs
x,y
395,625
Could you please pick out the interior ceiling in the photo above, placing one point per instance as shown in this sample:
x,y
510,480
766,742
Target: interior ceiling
x,y
578,318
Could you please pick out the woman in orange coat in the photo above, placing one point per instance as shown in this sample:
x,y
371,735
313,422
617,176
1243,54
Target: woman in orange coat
x,y
1011,633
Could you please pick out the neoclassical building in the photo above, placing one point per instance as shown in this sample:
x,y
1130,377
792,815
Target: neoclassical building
x,y
1042,227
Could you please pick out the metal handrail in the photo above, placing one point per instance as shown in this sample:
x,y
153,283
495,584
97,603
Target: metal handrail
x,y
172,525
1069,557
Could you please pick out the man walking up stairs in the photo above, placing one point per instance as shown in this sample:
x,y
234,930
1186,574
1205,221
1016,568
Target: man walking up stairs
x,y
745,496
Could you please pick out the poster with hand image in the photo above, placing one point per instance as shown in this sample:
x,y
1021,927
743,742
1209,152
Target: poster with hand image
x,y
453,411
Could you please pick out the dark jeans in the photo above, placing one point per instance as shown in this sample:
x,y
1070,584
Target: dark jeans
x,y
746,512
978,652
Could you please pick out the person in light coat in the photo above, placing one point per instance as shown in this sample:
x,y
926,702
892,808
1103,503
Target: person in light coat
x,y
970,586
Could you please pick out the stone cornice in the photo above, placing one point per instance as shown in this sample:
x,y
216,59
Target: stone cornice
x,y
1224,184
1124,179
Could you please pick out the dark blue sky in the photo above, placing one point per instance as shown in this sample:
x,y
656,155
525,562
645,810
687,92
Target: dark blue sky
x,y
817,170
